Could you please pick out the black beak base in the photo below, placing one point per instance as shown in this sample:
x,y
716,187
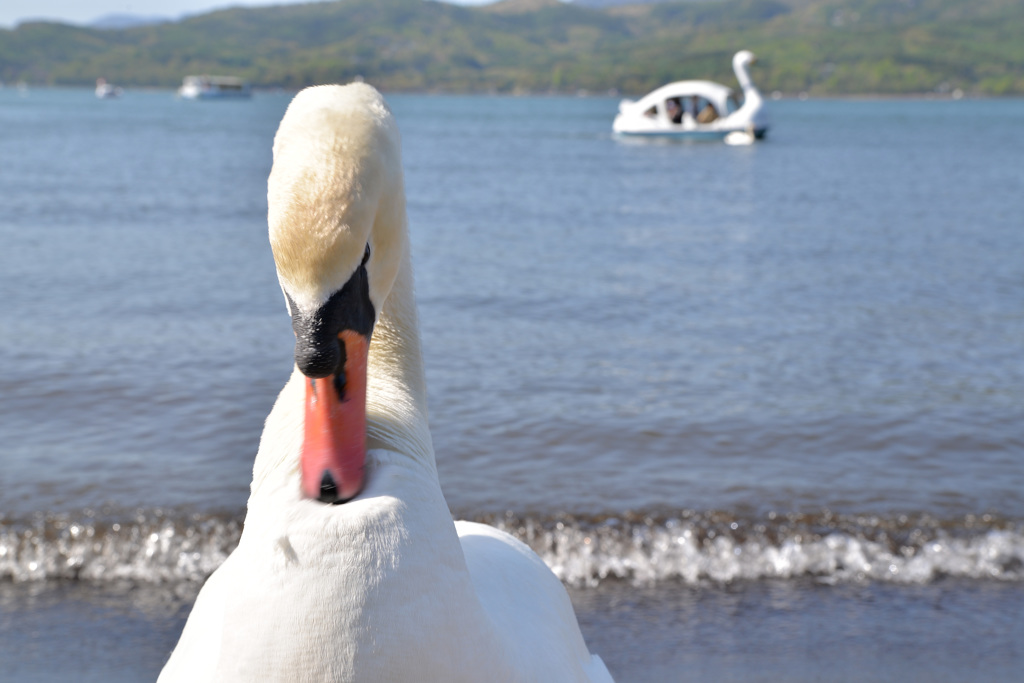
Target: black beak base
x,y
318,350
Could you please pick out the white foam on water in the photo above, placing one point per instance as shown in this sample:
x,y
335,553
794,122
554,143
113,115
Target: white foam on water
x,y
586,557
157,547
149,547
721,549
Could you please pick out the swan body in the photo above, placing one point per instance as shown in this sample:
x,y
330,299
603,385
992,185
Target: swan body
x,y
384,587
681,109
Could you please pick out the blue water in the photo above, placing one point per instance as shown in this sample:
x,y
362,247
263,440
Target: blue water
x,y
738,398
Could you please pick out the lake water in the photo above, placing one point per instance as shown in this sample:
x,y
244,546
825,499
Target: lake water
x,y
761,408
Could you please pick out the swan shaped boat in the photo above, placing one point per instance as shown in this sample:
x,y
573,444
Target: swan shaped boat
x,y
350,567
699,110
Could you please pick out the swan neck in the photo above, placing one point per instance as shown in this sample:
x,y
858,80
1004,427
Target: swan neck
x,y
396,407
743,76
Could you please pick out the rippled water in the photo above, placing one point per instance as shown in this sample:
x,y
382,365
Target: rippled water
x,y
682,373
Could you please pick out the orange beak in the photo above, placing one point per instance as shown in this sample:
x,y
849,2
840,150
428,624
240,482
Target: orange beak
x,y
334,446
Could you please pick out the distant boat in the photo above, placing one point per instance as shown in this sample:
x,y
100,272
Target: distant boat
x,y
213,88
700,110
106,91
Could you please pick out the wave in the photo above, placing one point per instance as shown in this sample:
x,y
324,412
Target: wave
x,y
719,547
156,546
150,546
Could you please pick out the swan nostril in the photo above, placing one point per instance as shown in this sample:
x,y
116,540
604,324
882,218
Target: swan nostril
x,y
319,360
328,489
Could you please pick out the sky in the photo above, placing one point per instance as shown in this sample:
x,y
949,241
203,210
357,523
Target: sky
x,y
13,12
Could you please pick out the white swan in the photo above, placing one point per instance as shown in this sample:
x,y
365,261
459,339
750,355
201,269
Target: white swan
x,y
384,587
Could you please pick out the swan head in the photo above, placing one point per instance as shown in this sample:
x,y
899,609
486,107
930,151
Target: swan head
x,y
336,212
743,59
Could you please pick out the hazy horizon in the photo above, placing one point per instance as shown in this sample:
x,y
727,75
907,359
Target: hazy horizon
x,y
86,12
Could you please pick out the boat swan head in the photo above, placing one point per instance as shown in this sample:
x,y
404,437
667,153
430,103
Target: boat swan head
x,y
336,211
744,57
741,63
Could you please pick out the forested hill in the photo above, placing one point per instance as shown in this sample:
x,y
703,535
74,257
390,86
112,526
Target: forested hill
x,y
818,46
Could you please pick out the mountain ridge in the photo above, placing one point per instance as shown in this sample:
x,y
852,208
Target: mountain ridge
x,y
824,47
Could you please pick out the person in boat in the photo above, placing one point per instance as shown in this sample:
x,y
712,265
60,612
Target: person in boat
x,y
706,112
674,110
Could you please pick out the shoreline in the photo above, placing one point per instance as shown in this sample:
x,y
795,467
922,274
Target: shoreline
x,y
582,94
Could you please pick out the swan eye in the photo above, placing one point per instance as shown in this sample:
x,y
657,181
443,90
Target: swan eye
x,y
366,255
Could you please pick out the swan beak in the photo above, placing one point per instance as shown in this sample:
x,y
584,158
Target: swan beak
x,y
334,444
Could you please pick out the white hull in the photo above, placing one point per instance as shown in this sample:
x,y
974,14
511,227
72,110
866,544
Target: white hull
x,y
696,134
213,88
106,91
